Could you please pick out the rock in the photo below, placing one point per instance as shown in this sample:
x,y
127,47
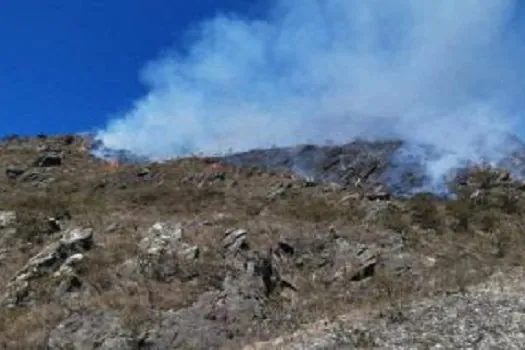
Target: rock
x,y
161,235
504,176
42,148
67,284
190,253
309,182
15,294
36,178
279,191
113,227
352,197
286,247
58,259
476,195
48,160
77,239
70,265
206,178
365,270
7,219
379,193
127,269
142,172
381,196
269,275
162,253
214,320
234,240
429,261
99,329
3,253
237,254
354,262
54,224
14,173
48,259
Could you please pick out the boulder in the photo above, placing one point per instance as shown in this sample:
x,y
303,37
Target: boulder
x,y
7,219
48,160
59,259
215,319
13,173
163,253
234,240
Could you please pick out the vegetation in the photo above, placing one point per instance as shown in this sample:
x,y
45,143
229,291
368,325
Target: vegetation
x,y
468,237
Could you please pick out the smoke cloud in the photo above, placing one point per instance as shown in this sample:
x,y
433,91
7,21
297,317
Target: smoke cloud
x,y
442,73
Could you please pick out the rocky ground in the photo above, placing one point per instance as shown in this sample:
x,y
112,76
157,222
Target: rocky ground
x,y
217,253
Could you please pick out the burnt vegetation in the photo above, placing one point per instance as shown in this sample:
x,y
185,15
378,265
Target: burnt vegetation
x,y
297,249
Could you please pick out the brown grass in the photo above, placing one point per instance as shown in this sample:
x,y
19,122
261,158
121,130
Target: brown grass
x,y
468,237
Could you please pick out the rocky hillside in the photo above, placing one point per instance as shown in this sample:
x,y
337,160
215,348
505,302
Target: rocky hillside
x,y
217,253
396,166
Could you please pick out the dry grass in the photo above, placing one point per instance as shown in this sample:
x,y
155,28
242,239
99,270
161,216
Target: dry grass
x,y
468,237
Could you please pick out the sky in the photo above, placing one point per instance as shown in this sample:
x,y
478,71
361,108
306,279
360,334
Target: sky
x,y
67,66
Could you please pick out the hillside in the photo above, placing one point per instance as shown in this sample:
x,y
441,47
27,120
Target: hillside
x,y
206,253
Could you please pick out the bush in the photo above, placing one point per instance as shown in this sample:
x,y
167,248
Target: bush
x,y
461,210
425,212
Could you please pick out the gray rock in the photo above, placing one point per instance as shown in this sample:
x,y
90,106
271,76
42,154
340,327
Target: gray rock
x,y
354,261
162,253
48,160
54,255
13,173
36,178
59,259
279,191
77,239
7,219
160,236
213,320
71,264
8,229
99,329
379,193
234,240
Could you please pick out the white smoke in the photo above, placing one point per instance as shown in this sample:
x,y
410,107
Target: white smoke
x,y
444,73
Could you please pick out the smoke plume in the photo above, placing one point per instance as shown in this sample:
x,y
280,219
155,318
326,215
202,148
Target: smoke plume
x,y
441,73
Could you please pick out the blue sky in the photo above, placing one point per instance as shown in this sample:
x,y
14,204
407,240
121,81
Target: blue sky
x,y
65,66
